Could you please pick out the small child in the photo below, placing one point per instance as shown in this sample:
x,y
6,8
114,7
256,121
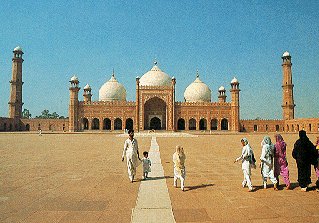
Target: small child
x,y
146,165
248,161
179,166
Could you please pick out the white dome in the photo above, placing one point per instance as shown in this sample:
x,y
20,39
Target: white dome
x,y
112,90
286,54
234,80
155,77
221,88
74,78
18,48
197,91
87,87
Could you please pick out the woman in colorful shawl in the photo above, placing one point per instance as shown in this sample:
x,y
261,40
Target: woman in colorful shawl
x,y
266,158
280,161
305,154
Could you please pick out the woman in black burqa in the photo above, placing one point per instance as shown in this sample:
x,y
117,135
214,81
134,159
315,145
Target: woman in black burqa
x,y
305,155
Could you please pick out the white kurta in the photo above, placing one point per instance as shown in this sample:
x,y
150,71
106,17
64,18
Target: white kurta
x,y
130,151
245,157
266,158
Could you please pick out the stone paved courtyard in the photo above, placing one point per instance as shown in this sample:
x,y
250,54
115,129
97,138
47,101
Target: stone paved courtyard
x,y
80,178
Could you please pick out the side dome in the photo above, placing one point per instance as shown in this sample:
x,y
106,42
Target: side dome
x,y
197,91
155,77
112,90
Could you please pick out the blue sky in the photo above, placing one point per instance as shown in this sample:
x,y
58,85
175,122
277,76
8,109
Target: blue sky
x,y
221,39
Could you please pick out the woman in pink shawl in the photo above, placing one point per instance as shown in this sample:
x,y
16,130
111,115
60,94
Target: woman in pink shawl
x,y
280,161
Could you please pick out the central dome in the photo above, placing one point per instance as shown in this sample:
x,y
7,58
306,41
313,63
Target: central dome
x,y
155,77
197,91
112,90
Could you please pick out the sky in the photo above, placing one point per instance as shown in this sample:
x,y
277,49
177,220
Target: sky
x,y
221,39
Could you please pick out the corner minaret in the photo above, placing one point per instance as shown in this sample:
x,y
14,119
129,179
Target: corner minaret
x,y
221,94
87,95
15,103
234,105
74,104
288,106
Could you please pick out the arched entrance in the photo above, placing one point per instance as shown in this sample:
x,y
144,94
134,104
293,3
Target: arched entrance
x,y
181,124
129,123
155,114
85,124
27,127
117,124
95,124
224,124
202,124
192,124
107,124
155,123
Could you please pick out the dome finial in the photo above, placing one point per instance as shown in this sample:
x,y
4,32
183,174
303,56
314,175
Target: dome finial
x,y
155,62
113,73
197,74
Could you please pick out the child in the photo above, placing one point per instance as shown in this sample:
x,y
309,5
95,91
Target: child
x,y
146,165
266,162
179,166
246,159
280,161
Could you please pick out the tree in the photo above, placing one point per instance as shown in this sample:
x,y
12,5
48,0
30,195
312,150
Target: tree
x,y
45,114
26,113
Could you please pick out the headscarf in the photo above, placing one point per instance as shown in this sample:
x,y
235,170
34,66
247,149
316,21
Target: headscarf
x,y
303,134
280,143
245,140
266,140
179,157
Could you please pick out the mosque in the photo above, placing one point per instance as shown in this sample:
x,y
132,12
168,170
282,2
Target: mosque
x,y
155,107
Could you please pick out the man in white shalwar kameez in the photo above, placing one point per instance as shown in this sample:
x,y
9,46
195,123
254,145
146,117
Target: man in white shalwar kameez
x,y
266,164
246,158
132,155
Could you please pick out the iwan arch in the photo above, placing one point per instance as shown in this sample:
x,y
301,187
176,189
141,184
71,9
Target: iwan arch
x,y
155,106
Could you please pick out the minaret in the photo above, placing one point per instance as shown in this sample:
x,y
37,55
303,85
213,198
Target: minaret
x,y
87,95
173,103
222,94
235,105
74,104
137,116
288,106
15,103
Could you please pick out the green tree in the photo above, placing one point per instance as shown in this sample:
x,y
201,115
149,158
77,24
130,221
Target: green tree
x,y
26,114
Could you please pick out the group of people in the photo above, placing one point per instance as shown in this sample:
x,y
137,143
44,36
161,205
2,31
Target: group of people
x,y
131,153
273,161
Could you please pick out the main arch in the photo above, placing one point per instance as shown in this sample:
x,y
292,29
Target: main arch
x,y
155,117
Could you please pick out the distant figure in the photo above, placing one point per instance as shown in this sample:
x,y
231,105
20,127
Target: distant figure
x,y
146,165
305,154
246,158
179,166
40,132
317,167
132,156
280,161
266,162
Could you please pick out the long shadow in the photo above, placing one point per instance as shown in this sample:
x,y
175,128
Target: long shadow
x,y
155,178
198,187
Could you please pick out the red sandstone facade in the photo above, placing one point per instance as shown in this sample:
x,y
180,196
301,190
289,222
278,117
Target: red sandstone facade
x,y
155,108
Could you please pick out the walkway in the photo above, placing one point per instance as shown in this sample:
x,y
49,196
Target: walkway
x,y
153,201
